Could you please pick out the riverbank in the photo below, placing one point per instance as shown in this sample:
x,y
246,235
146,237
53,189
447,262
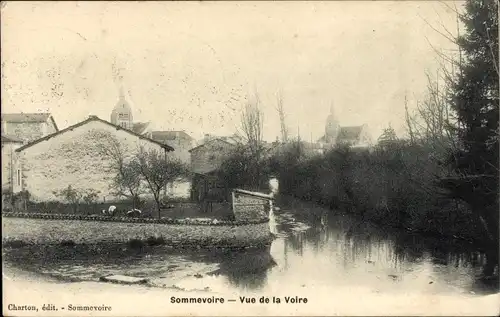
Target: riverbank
x,y
395,186
297,203
73,229
22,288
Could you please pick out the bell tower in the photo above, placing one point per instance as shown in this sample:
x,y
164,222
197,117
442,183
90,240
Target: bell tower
x,y
122,112
332,127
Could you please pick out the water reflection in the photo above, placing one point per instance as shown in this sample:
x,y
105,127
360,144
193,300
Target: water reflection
x,y
314,248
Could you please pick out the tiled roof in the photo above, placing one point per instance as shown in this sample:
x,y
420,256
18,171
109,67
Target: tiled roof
x,y
11,139
90,119
140,127
169,135
350,133
211,141
25,117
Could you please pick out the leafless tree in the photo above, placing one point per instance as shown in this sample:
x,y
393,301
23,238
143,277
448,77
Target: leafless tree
x,y
252,122
158,169
432,121
281,113
126,181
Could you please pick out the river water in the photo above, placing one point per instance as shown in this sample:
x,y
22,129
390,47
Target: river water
x,y
314,249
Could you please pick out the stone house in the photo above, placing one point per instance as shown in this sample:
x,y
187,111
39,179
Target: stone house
x,y
355,136
9,145
179,140
250,206
28,126
206,159
73,156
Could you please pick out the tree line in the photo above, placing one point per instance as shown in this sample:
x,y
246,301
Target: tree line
x,y
442,179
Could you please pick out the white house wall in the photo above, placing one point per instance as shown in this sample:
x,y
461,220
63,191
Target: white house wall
x,y
8,165
73,158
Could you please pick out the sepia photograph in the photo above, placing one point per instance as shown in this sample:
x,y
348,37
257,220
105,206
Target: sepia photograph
x,y
250,158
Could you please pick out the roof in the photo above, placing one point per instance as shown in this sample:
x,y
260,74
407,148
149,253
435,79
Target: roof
x,y
25,117
140,127
10,139
255,194
28,118
169,135
91,119
350,133
211,141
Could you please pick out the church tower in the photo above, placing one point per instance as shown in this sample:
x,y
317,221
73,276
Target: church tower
x,y
122,112
332,127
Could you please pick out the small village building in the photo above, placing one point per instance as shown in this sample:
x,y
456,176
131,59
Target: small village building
x,y
28,126
206,160
354,136
74,157
9,145
179,140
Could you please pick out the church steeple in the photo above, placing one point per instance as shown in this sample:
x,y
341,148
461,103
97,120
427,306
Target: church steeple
x,y
122,112
331,126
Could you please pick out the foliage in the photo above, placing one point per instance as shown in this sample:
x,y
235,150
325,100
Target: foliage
x,y
474,97
126,181
90,197
393,185
388,135
7,199
282,116
244,169
71,196
157,170
252,122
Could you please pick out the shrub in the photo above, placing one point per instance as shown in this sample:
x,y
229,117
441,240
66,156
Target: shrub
x,y
14,244
135,244
68,243
394,185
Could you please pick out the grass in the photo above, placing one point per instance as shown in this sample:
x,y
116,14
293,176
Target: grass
x,y
191,210
178,210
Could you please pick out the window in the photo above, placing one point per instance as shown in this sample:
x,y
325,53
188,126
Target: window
x,y
18,177
123,125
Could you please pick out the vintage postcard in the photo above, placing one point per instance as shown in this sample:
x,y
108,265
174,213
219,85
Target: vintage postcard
x,y
239,158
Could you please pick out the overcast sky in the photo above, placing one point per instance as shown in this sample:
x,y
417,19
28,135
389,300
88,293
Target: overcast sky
x,y
190,65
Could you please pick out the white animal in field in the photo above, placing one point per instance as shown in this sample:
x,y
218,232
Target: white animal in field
x,y
111,209
134,212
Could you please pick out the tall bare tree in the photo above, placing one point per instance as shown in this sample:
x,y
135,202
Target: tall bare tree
x,y
126,181
281,113
432,120
252,123
158,170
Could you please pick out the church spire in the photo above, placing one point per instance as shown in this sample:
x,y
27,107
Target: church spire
x,y
331,127
121,91
122,112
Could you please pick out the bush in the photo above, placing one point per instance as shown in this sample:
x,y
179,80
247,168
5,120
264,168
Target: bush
x,y
14,244
136,244
68,243
394,185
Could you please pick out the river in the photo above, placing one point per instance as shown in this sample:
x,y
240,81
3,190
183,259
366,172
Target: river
x,y
315,251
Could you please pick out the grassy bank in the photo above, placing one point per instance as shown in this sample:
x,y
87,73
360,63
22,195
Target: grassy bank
x,y
175,209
